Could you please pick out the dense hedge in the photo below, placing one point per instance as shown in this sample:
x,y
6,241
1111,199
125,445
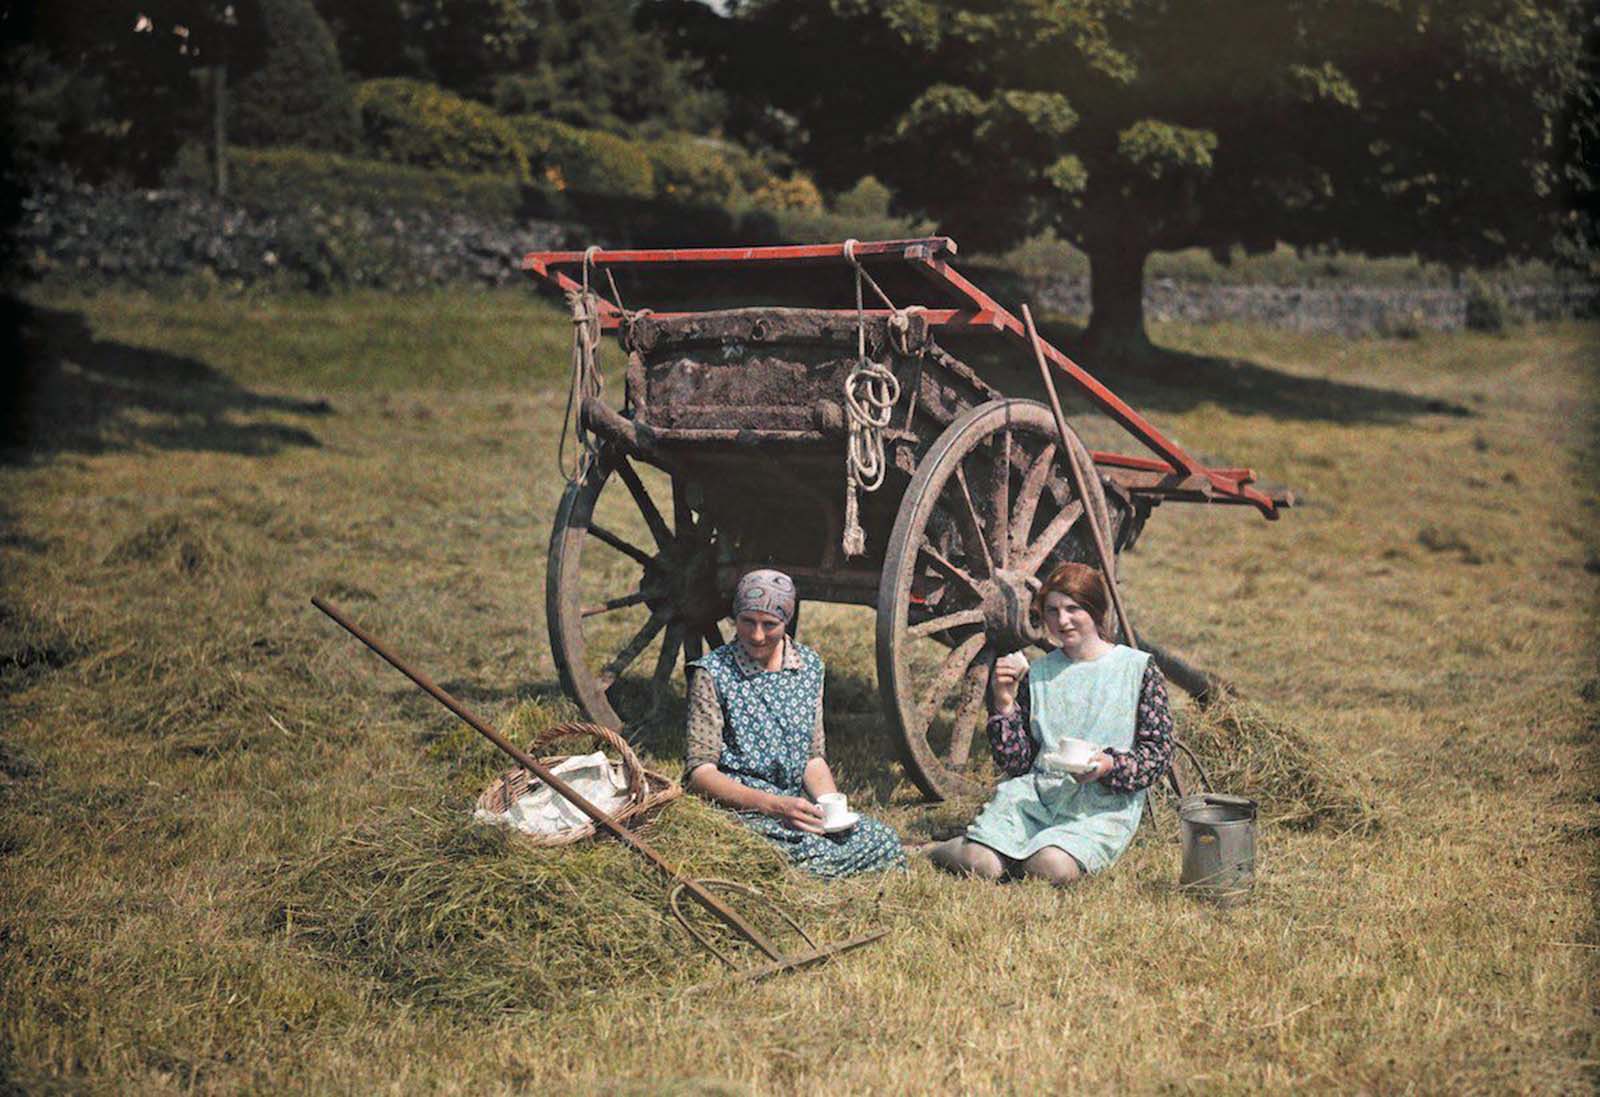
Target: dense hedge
x,y
273,178
588,161
410,122
299,95
692,171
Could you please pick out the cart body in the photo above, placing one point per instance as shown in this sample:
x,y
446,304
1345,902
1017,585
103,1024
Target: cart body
x,y
745,415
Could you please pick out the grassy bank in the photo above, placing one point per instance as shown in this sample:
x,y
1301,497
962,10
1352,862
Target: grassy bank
x,y
235,854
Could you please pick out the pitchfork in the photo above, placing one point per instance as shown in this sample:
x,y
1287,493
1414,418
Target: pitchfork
x,y
696,889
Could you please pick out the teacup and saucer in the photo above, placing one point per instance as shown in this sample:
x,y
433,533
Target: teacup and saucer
x,y
1074,756
836,814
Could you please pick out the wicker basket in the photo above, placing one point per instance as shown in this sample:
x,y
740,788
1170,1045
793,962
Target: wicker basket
x,y
647,790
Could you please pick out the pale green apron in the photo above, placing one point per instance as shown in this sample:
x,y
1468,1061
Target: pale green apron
x,y
1096,700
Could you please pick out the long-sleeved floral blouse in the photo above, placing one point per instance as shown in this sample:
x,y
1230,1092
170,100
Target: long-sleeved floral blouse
x,y
1014,746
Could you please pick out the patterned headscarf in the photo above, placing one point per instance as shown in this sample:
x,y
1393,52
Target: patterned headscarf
x,y
765,591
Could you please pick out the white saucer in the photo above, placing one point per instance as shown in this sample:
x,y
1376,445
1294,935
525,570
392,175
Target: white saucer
x,y
851,819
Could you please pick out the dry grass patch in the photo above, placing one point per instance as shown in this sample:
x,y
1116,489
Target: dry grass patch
x,y
235,848
471,918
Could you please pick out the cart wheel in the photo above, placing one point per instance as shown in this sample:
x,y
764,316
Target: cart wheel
x,y
989,509
629,588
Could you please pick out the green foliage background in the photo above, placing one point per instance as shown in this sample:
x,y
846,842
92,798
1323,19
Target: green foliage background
x,y
299,95
410,122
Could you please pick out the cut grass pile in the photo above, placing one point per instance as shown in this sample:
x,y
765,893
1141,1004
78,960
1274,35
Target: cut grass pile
x,y
1296,781
235,848
471,918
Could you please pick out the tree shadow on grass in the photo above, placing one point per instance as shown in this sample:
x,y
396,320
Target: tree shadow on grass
x,y
63,390
1165,380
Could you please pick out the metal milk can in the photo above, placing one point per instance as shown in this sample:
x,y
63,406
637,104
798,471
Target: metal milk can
x,y
1219,845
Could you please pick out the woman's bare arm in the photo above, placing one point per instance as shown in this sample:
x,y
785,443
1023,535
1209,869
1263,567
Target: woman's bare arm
x,y
796,811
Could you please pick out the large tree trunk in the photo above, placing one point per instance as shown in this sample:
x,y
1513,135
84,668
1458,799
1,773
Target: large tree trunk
x,y
1116,298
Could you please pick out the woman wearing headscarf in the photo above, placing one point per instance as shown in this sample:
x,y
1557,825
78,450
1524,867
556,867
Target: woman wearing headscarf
x,y
756,742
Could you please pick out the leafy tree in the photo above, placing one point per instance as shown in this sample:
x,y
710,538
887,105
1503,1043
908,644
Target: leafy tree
x,y
115,84
299,95
1130,126
589,63
377,38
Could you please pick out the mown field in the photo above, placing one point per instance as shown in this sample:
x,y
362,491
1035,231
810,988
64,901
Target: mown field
x,y
235,850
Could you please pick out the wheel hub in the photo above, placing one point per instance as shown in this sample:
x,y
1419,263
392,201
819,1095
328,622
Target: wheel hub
x,y
1006,603
684,576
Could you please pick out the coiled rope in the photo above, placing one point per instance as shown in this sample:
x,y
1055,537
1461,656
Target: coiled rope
x,y
871,391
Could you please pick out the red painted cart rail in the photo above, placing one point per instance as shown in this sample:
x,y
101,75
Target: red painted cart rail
x,y
978,312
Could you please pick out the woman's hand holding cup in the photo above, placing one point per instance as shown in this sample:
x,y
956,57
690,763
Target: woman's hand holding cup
x,y
1007,670
1102,763
796,812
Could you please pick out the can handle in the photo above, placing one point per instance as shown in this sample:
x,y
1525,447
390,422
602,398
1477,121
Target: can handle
x,y
1223,799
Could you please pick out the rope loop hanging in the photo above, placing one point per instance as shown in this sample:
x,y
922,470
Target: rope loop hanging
x,y
871,391
586,380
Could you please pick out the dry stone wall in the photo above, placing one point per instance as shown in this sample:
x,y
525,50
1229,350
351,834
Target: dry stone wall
x,y
102,236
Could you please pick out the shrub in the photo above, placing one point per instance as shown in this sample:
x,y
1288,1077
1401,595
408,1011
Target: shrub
x,y
585,161
692,171
750,171
299,95
409,122
279,179
821,227
868,198
1401,323
794,193
1486,306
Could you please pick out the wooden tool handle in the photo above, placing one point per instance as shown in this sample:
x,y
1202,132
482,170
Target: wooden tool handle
x,y
700,894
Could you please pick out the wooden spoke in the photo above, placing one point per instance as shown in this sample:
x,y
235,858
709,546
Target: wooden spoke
x,y
587,604
940,562
1000,500
607,537
971,526
948,621
647,506
950,672
666,660
615,603
996,464
624,658
1033,482
971,705
1050,537
713,636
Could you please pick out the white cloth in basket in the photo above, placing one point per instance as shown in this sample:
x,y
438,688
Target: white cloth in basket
x,y
543,810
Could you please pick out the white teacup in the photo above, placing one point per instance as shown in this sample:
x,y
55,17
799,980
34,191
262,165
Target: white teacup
x,y
835,808
1076,752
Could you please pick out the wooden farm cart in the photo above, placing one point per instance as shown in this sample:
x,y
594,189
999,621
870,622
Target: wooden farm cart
x,y
845,445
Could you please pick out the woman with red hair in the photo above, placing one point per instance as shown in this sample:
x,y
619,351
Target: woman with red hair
x,y
1055,820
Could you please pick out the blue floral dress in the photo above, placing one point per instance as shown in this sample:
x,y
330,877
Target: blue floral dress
x,y
768,720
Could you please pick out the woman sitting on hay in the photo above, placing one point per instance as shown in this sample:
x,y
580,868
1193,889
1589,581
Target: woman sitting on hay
x,y
1058,820
756,742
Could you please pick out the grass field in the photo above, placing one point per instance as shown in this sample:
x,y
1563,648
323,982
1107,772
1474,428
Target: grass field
x,y
235,852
